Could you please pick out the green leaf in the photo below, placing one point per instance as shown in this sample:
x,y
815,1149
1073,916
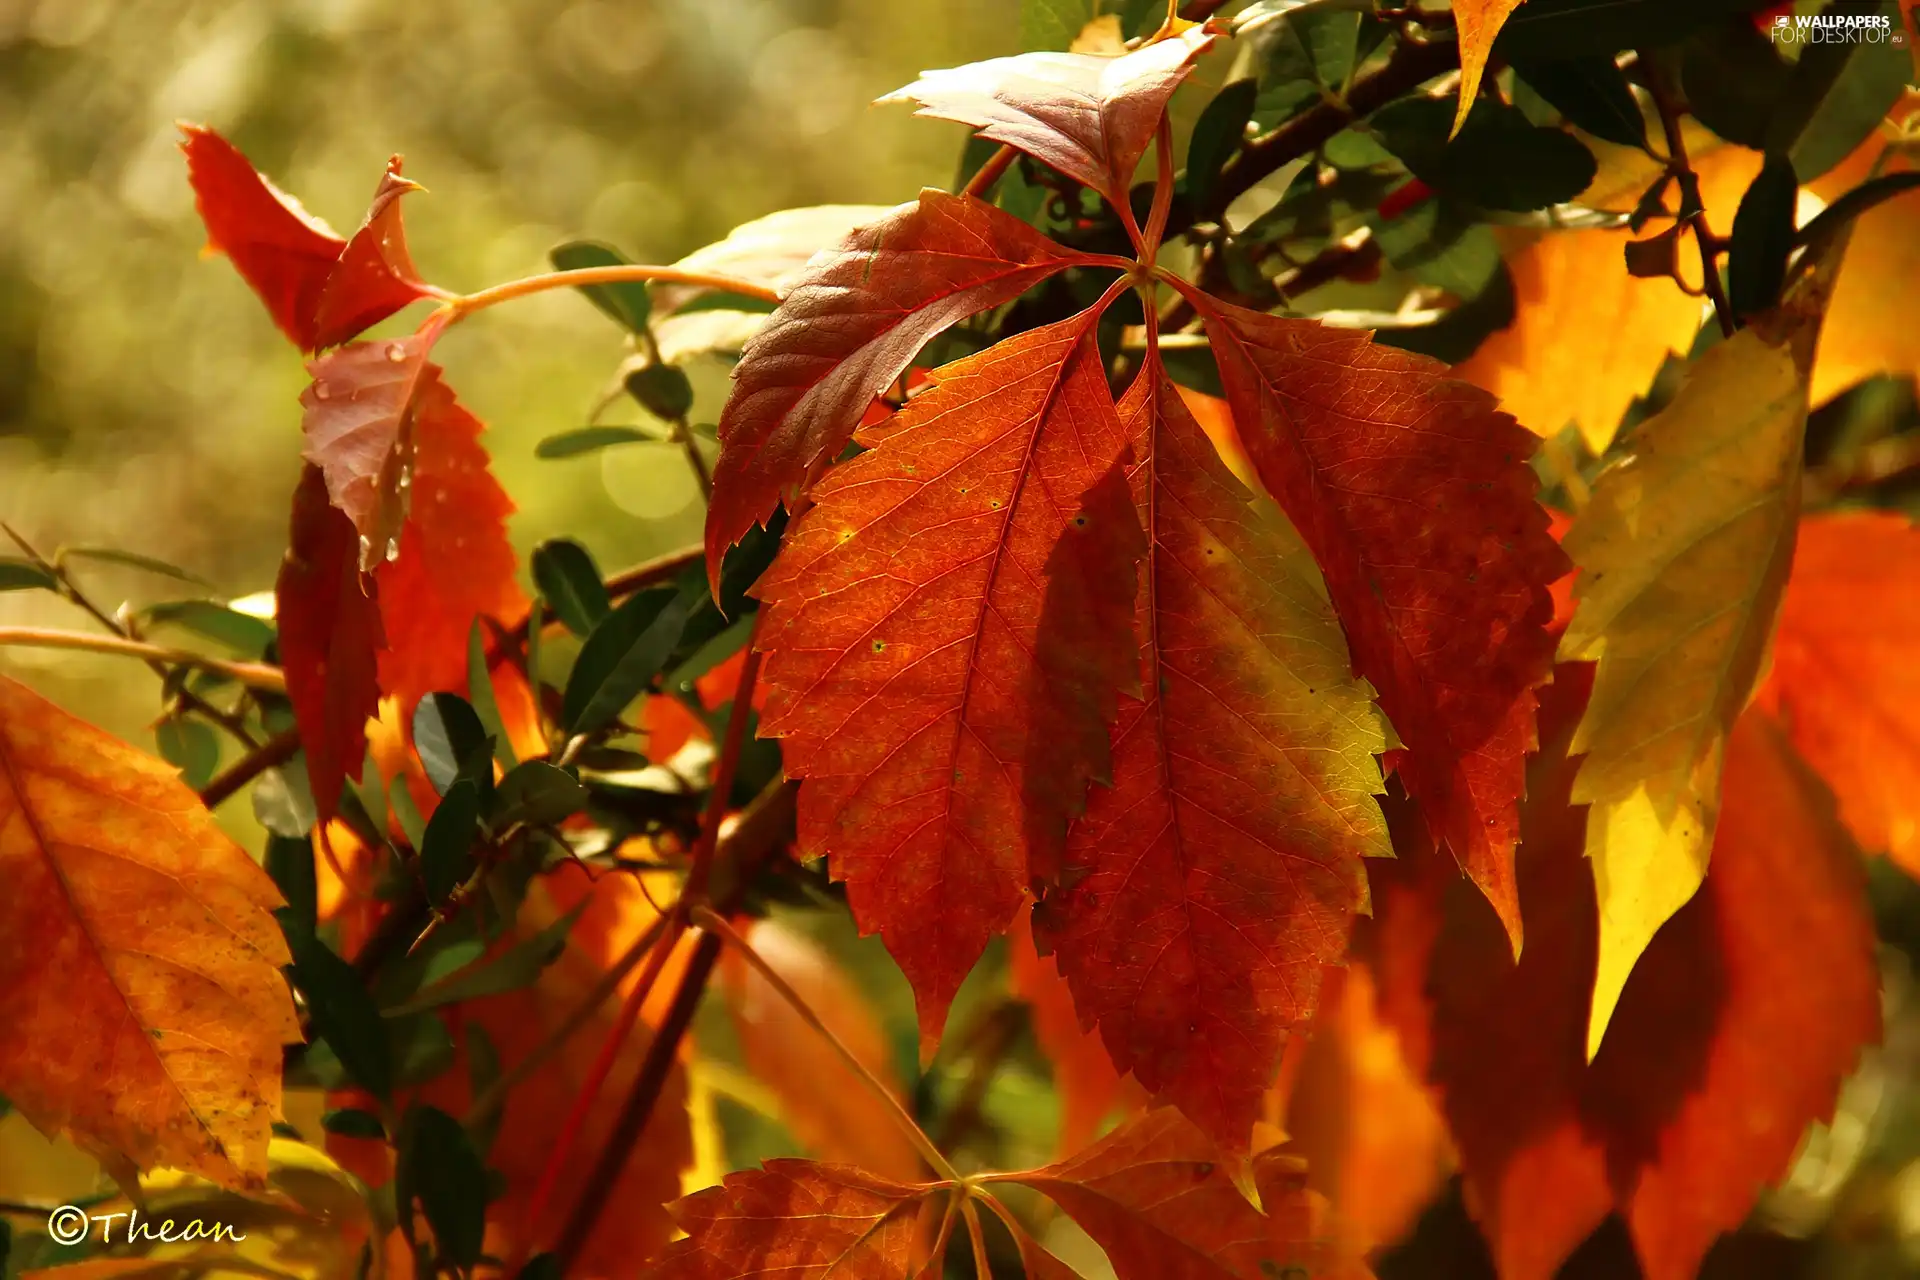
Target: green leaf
x,y
438,1165
23,575
1053,24
446,848
571,444
536,793
283,800
1733,79
343,1013
351,1122
483,1070
448,735
1762,238
480,692
1544,29
406,812
570,583
662,390
622,656
1591,92
290,863
710,655
241,632
628,304
189,746
1355,149
722,300
1498,161
1437,245
132,560
1217,134
518,966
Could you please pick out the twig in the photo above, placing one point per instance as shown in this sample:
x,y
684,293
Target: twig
x,y
982,1264
700,872
271,754
989,173
255,675
1693,212
467,304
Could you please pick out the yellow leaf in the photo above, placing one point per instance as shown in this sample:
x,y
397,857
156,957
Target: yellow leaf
x,y
140,986
1477,22
1101,38
1682,555
1869,327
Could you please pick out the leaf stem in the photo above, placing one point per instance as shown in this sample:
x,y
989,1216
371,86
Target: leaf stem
x,y
982,1264
255,675
700,874
1162,189
984,178
716,926
626,273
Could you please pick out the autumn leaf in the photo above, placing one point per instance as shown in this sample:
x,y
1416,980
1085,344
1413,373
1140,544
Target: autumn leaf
x,y
359,415
1090,117
1731,1037
1205,889
1844,676
1867,330
796,1220
331,640
1084,1080
826,1107
1476,22
139,960
846,330
946,632
1414,494
375,275
1156,1195
1682,554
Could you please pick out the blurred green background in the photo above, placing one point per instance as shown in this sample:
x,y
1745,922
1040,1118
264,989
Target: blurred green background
x,y
146,401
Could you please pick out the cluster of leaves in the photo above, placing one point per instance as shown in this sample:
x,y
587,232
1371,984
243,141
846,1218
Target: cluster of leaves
x,y
1101,565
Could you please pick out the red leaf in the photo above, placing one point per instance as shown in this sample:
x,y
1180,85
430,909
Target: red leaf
x,y
280,249
1156,1196
1732,1034
1089,117
455,561
319,289
330,638
375,275
1415,496
846,331
358,421
797,1220
946,630
1222,869
1844,675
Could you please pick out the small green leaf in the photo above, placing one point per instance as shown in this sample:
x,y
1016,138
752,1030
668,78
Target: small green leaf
x,y
1053,24
132,560
438,1165
570,583
23,575
448,734
710,654
1591,92
662,390
290,863
446,849
1762,238
241,632
351,1122
1217,134
406,812
536,793
571,444
1498,161
1355,149
283,800
519,966
1543,29
628,304
343,1013
480,692
189,746
622,656
483,1070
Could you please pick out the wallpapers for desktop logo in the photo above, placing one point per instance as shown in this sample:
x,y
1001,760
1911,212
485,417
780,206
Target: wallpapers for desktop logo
x,y
1836,28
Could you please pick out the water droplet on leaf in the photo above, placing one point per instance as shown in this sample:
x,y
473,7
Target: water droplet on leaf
x,y
397,352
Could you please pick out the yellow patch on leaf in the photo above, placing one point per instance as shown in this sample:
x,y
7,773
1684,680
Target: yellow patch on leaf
x,y
1477,22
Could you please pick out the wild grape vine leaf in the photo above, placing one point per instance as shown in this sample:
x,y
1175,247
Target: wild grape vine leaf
x,y
1732,1034
1477,22
846,330
330,640
797,1220
946,631
1682,553
1087,116
1414,494
1209,884
1844,679
319,288
1156,1195
140,981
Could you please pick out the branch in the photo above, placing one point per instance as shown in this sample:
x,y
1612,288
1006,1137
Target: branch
x,y
255,675
467,304
1693,211
271,754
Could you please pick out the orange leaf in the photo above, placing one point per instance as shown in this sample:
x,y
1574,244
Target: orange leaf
x,y
842,335
826,1107
1207,886
1415,496
1083,1076
1477,22
1090,117
1731,1036
946,630
796,1220
1844,674
139,962
1156,1196
330,641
